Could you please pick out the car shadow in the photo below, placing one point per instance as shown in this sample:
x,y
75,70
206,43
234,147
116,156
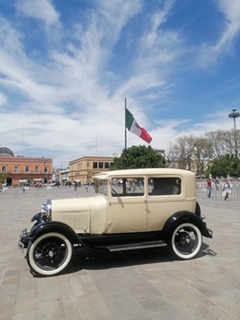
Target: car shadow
x,y
84,259
90,260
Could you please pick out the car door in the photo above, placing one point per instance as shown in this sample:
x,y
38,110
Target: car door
x,y
164,198
127,211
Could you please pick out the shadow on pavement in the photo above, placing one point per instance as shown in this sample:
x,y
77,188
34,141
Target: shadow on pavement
x,y
84,259
90,260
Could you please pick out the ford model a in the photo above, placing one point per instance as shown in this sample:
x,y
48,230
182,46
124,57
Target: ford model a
x,y
131,209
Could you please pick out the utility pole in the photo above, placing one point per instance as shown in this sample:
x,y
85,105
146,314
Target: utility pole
x,y
234,115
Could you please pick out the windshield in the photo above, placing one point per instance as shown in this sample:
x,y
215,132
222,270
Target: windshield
x,y
101,186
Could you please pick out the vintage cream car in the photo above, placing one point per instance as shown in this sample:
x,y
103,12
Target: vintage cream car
x,y
131,209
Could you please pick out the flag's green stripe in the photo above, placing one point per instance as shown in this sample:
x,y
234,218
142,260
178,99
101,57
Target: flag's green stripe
x,y
129,119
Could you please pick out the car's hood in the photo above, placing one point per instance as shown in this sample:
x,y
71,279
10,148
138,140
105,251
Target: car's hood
x,y
77,212
71,205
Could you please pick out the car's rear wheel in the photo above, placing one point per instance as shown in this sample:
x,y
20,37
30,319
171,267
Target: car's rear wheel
x,y
49,254
186,241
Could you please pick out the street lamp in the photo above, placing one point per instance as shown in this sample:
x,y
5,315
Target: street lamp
x,y
234,115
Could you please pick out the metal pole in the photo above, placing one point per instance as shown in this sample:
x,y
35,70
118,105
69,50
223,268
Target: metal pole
x,y
125,149
234,115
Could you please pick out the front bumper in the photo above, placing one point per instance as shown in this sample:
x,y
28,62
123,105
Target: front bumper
x,y
24,239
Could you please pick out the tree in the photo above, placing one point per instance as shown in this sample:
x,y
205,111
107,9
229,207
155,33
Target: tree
x,y
184,151
202,155
227,165
139,157
3,177
223,142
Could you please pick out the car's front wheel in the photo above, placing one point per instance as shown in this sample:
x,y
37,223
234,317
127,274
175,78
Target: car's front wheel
x,y
49,254
186,241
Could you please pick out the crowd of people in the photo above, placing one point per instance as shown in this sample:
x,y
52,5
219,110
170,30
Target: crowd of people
x,y
226,187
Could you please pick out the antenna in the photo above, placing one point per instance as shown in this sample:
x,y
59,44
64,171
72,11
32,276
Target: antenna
x,y
96,146
22,137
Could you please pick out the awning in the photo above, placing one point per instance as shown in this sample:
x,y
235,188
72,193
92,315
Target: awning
x,y
23,181
39,180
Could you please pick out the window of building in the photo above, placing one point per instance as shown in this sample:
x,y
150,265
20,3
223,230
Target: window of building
x,y
36,169
100,165
27,169
95,165
4,168
15,169
106,164
45,169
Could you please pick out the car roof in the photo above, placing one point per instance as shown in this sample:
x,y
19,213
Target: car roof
x,y
141,172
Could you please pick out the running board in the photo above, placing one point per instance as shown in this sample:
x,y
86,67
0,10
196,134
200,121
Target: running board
x,y
135,246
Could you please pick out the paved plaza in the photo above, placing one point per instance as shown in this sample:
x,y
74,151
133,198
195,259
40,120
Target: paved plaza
x,y
133,285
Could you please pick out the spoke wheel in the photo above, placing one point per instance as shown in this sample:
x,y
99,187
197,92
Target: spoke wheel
x,y
186,241
49,254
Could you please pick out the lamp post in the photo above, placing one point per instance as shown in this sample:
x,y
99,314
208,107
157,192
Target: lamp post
x,y
234,115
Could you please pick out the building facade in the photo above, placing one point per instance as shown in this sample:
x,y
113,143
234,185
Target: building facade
x,y
63,176
18,170
83,169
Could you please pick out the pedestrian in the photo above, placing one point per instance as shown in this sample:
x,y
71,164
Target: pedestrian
x,y
75,186
226,189
23,188
209,187
4,187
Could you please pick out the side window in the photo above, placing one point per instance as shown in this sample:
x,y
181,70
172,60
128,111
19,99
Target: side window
x,y
164,186
125,187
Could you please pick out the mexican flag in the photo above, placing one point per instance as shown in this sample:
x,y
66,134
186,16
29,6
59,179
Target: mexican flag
x,y
136,128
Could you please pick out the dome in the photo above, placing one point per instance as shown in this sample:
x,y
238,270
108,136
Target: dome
x,y
6,152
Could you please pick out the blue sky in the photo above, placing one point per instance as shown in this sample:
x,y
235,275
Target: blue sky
x,y
67,66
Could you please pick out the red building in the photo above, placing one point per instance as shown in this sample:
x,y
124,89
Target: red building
x,y
17,170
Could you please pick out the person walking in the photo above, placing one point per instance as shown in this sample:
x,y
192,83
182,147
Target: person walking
x,y
226,189
209,187
75,186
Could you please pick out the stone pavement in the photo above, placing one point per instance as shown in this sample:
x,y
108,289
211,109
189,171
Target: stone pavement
x,y
133,285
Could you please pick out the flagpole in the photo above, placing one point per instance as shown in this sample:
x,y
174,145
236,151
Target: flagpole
x,y
125,149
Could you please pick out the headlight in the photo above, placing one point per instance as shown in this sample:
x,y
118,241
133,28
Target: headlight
x,y
46,210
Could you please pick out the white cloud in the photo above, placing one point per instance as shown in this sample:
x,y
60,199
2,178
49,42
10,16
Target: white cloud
x,y
38,9
231,10
3,99
70,99
229,31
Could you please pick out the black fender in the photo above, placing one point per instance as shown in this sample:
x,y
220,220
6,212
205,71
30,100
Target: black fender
x,y
198,210
38,218
183,217
54,226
